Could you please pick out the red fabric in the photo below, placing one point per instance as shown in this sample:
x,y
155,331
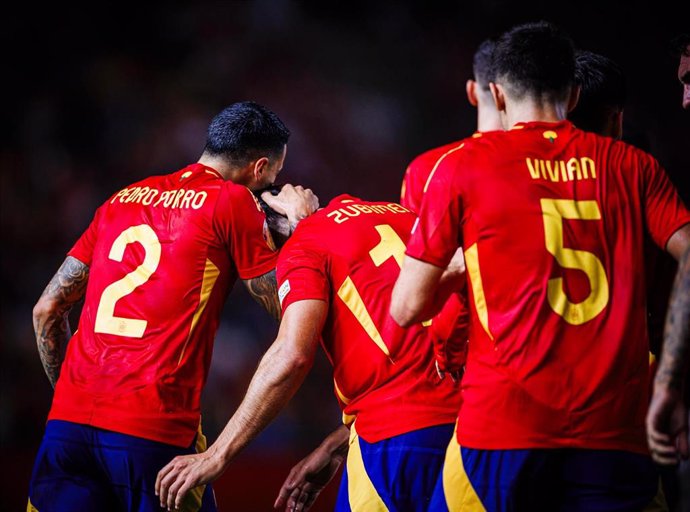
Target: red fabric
x,y
148,384
535,380
449,329
357,242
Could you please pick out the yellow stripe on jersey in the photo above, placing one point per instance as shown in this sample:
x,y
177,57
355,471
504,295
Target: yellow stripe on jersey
x,y
350,296
438,162
457,488
472,264
211,273
30,507
361,492
348,419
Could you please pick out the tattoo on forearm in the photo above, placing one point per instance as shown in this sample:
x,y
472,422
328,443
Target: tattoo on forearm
x,y
676,347
51,323
264,289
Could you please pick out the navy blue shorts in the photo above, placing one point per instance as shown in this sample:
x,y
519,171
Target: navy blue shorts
x,y
395,474
80,468
546,479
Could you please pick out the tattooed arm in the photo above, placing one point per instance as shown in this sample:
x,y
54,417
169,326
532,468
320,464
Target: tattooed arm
x,y
667,420
264,289
50,315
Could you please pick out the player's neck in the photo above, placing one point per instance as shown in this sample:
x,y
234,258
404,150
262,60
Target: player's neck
x,y
530,110
488,119
219,164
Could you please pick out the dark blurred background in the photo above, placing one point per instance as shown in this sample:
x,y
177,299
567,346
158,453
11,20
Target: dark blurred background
x,y
100,95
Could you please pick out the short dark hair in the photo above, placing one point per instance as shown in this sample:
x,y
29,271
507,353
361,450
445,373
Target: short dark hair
x,y
602,91
481,63
534,59
245,131
680,45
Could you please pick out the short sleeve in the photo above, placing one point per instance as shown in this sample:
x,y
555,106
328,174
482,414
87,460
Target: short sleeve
x,y
83,248
665,212
301,272
436,234
241,224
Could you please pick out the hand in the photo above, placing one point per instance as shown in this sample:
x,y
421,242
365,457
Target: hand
x,y
184,473
455,374
308,478
667,426
295,203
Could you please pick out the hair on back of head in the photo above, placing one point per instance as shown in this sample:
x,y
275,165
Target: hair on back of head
x,y
481,63
245,131
536,60
602,90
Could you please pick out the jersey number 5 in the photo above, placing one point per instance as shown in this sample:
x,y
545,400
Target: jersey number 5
x,y
106,321
553,213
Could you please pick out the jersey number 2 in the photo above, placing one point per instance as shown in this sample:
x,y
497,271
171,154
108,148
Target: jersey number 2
x,y
106,321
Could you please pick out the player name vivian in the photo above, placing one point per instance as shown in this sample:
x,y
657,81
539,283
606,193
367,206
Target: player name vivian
x,y
562,170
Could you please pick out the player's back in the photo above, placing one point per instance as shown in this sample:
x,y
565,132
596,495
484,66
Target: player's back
x,y
162,255
384,375
552,221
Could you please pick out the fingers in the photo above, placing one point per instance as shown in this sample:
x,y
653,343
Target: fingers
x,y
174,481
661,447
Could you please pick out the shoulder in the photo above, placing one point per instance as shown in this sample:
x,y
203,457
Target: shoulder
x,y
430,157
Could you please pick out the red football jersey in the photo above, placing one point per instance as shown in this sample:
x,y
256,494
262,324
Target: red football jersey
x,y
449,328
348,254
552,223
163,254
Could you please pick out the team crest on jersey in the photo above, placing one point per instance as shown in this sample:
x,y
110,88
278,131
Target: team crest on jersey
x,y
268,237
283,291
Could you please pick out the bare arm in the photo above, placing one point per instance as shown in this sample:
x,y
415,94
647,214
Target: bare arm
x,y
422,289
51,312
679,242
667,427
279,375
264,290
311,475
676,347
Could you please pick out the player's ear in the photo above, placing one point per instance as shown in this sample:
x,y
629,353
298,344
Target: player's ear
x,y
574,97
260,165
498,95
471,90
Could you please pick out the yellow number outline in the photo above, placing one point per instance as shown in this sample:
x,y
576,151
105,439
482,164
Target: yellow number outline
x,y
553,213
106,321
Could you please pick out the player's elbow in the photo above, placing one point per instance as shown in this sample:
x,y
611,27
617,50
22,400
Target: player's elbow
x,y
44,309
403,310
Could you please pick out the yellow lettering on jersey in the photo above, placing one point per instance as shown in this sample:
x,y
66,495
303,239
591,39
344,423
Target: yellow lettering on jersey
x,y
199,200
573,166
561,170
553,173
587,164
187,198
472,264
211,273
339,219
533,168
350,296
106,322
390,246
554,211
